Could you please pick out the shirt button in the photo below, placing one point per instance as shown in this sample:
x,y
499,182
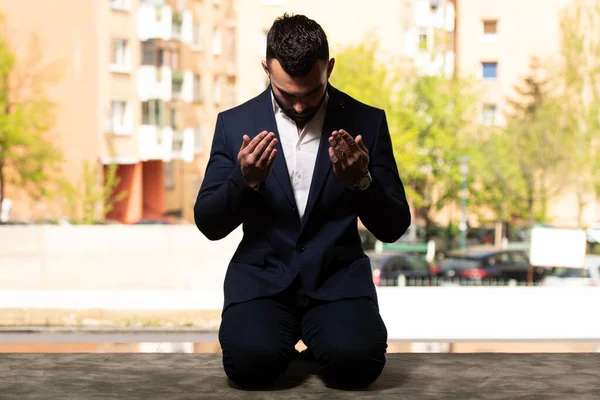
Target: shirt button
x,y
300,248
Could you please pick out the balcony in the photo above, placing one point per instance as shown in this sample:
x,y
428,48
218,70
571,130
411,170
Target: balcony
x,y
155,143
154,83
183,145
435,14
182,86
158,21
154,21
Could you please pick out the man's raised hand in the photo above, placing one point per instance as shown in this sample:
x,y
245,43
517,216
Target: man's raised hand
x,y
350,157
256,157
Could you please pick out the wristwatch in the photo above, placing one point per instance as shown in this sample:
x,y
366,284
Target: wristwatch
x,y
363,182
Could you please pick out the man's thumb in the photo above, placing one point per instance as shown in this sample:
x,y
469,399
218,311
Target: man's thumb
x,y
245,141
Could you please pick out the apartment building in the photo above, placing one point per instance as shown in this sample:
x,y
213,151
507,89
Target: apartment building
x,y
141,84
404,30
495,43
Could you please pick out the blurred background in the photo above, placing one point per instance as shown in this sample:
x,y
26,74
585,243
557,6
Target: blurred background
x,y
107,111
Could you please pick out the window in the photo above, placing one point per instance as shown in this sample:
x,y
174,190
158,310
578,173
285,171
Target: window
x,y
151,54
120,53
119,5
216,42
152,112
217,91
197,88
197,36
488,114
489,70
119,115
520,259
490,27
169,170
423,39
231,94
198,148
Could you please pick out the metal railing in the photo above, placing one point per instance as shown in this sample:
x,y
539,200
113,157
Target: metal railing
x,y
403,281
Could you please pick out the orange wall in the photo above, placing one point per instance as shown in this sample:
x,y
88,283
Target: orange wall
x,y
129,209
153,189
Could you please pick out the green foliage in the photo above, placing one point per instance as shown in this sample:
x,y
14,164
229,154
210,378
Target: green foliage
x,y
28,158
430,120
95,195
580,97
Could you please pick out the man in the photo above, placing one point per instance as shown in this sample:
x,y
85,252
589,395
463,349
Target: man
x,y
296,166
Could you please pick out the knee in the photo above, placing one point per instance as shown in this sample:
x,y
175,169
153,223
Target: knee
x,y
254,365
352,368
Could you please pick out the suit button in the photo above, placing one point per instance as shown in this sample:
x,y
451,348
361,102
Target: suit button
x,y
300,248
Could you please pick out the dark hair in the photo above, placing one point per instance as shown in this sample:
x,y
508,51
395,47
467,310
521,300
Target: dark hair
x,y
297,42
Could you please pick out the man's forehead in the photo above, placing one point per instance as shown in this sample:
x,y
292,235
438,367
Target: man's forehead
x,y
298,86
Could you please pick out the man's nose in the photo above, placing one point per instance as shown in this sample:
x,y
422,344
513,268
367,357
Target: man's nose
x,y
299,106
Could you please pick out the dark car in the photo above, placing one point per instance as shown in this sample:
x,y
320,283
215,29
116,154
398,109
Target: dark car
x,y
387,267
489,264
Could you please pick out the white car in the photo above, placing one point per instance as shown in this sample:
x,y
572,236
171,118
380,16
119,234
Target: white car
x,y
587,276
593,235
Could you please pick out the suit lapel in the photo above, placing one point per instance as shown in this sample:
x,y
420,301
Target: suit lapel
x,y
323,164
265,121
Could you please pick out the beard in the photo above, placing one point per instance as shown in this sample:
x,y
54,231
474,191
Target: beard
x,y
303,118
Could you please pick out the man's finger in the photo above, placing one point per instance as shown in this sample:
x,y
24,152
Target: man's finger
x,y
262,161
262,146
349,140
257,139
361,144
245,141
271,159
333,156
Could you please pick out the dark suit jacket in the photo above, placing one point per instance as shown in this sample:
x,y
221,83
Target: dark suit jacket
x,y
324,247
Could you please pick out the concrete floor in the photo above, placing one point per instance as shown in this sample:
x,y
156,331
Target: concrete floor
x,y
200,376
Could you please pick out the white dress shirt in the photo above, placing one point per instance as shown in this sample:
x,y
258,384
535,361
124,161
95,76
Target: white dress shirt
x,y
300,148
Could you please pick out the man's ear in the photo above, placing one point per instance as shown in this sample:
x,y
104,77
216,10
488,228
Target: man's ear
x,y
330,66
266,68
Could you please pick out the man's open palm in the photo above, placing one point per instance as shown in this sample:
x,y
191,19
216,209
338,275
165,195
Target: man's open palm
x,y
256,157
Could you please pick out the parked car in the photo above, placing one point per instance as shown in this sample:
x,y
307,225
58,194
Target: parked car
x,y
593,237
587,276
489,264
387,267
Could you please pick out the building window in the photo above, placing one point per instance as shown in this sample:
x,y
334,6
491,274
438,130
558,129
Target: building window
x,y
169,169
489,70
151,53
231,94
490,27
423,39
197,88
152,112
488,114
216,41
198,147
197,36
119,5
119,117
120,53
217,91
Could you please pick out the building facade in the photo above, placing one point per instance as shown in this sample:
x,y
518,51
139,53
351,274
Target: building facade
x,y
496,41
142,82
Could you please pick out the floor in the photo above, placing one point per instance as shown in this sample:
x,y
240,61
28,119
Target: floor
x,y
200,376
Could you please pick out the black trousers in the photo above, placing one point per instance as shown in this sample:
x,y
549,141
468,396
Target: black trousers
x,y
347,338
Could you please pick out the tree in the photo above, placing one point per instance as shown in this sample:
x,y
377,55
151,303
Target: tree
x,y
28,159
580,50
88,202
428,116
538,136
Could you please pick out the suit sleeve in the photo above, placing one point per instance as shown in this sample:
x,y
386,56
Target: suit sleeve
x,y
383,208
219,207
